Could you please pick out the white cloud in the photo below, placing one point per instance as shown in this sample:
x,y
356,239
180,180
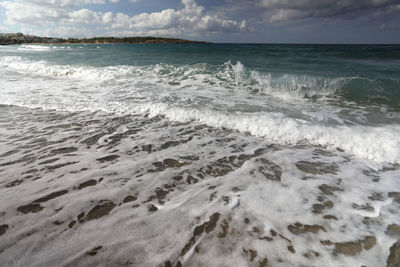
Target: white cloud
x,y
17,12
64,14
107,17
84,16
41,12
120,20
189,19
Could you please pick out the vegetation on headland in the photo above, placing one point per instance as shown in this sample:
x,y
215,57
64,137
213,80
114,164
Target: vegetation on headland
x,y
19,38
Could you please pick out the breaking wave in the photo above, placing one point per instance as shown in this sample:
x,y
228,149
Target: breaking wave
x,y
115,89
228,75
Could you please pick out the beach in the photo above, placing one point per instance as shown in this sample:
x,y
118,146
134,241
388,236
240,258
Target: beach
x,y
175,155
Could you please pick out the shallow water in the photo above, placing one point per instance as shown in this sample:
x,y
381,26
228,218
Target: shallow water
x,y
105,161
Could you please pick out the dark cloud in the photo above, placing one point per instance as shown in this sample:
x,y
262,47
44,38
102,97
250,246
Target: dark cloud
x,y
286,10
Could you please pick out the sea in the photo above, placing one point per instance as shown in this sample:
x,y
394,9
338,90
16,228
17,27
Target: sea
x,y
199,155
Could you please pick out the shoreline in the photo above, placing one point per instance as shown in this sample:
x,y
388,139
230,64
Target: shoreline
x,y
143,43
19,38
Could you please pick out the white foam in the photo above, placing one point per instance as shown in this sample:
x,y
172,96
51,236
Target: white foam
x,y
374,143
152,238
198,96
287,85
34,48
77,72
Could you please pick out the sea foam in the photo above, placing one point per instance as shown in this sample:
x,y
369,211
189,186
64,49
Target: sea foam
x,y
180,93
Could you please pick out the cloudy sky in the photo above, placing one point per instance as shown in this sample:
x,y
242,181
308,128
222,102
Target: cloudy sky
x,y
261,21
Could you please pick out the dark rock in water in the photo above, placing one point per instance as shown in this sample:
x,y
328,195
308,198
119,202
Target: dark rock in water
x,y
153,208
80,217
366,207
318,208
395,195
299,228
393,230
369,242
328,204
14,183
317,167
206,227
348,248
51,196
64,150
49,161
178,177
3,229
323,152
251,253
326,242
376,197
32,207
394,257
355,247
328,189
9,153
116,138
148,148
192,158
311,253
90,182
330,217
291,249
224,229
129,198
100,210
31,171
170,144
172,163
191,180
168,163
93,139
174,83
94,251
57,166
108,158
71,224
161,194
263,263
271,167
285,238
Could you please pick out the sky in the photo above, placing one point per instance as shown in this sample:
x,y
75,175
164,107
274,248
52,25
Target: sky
x,y
230,21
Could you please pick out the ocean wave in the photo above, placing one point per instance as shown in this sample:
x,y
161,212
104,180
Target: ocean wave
x,y
287,86
34,48
172,91
376,143
373,143
42,68
228,75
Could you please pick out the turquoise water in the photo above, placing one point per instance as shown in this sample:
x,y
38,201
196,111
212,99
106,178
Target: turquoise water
x,y
374,69
312,91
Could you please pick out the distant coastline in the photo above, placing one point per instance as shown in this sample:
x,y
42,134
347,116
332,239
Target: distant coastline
x,y
19,38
